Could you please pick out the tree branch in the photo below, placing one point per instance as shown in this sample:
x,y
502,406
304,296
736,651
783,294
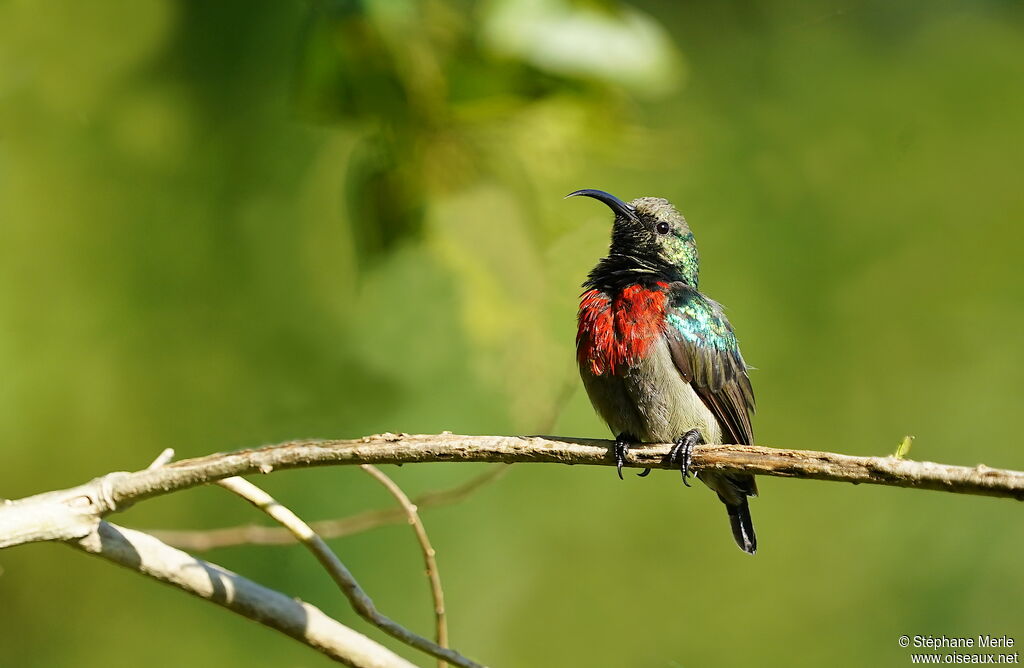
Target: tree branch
x,y
199,540
429,554
304,622
73,513
355,594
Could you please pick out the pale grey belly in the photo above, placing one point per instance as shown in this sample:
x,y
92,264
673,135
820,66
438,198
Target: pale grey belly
x,y
650,401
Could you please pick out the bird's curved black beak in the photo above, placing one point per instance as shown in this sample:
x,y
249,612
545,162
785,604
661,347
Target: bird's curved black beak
x,y
614,203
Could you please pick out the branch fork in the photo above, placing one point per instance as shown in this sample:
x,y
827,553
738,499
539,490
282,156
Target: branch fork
x,y
77,515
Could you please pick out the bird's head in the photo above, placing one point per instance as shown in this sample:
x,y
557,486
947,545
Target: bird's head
x,y
650,236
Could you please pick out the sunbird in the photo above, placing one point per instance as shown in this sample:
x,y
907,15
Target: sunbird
x,y
660,360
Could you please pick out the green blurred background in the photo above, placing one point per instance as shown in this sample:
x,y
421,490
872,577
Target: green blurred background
x,y
224,224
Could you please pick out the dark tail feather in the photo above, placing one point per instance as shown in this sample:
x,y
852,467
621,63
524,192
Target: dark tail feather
x,y
742,526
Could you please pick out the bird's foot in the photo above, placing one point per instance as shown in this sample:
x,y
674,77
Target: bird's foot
x,y
622,442
682,452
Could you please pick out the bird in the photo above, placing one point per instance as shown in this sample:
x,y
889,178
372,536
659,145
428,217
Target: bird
x,y
659,359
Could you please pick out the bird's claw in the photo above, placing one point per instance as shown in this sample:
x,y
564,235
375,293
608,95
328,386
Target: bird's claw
x,y
622,442
682,452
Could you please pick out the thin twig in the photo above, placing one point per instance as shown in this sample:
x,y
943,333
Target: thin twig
x,y
163,459
201,540
358,598
306,623
559,403
429,555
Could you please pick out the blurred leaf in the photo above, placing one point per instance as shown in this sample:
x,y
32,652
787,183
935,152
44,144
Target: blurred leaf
x,y
383,195
346,70
614,43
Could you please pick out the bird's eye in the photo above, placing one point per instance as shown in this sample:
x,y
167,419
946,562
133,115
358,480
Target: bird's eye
x,y
662,227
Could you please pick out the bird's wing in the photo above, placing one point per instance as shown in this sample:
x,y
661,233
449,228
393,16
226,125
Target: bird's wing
x,y
705,351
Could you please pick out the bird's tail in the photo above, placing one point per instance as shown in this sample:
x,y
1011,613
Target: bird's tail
x,y
742,525
733,491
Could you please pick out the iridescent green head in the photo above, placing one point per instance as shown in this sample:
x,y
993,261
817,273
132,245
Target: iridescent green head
x,y
649,234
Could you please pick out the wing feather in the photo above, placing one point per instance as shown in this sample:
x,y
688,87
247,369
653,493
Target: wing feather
x,y
704,350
